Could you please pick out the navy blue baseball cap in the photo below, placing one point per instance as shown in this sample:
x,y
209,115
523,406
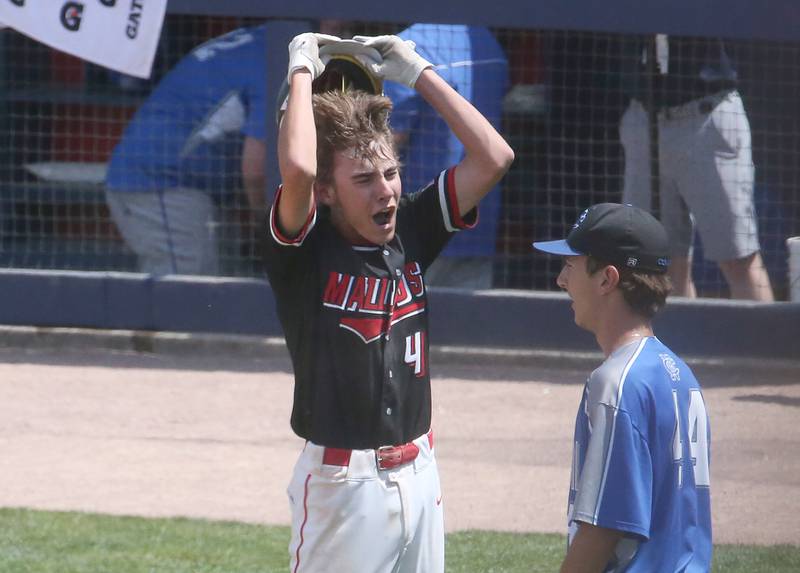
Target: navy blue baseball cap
x,y
623,235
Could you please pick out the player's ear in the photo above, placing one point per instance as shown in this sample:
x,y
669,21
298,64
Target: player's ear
x,y
610,278
324,193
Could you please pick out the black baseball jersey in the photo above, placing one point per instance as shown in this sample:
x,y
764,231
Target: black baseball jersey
x,y
355,319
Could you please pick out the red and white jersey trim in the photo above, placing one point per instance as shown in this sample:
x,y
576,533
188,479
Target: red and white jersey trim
x,y
448,202
275,231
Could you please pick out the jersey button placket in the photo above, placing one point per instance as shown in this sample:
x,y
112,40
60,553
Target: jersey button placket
x,y
388,400
386,262
397,273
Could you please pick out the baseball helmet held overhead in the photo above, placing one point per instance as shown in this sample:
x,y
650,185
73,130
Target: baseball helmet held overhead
x,y
347,65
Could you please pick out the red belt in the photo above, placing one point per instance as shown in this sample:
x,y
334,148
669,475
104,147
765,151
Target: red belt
x,y
386,457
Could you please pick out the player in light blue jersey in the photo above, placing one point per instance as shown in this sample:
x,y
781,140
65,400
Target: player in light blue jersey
x,y
181,155
639,493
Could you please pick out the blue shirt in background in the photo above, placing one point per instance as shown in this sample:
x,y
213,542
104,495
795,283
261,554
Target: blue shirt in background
x,y
189,131
473,63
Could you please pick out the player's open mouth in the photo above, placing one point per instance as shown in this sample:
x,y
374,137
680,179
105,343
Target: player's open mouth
x,y
384,217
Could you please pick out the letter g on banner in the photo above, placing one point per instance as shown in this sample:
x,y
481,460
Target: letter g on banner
x,y
71,14
92,29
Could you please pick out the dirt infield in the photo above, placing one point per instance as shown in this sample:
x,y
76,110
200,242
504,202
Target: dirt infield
x,y
160,435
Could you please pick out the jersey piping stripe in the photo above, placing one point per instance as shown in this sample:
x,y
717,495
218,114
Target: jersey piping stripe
x,y
273,225
448,202
445,201
303,526
375,324
361,336
451,192
410,310
606,465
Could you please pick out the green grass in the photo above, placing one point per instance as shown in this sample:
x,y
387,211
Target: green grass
x,y
58,542
495,552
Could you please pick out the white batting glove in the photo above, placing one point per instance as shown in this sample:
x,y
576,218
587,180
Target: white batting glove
x,y
304,53
401,63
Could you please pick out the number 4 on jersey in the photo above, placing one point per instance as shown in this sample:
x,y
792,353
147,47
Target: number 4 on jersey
x,y
697,426
415,353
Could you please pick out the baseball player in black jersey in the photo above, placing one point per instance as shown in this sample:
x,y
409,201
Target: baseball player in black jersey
x,y
346,255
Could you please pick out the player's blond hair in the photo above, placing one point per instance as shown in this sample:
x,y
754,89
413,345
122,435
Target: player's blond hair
x,y
645,292
352,120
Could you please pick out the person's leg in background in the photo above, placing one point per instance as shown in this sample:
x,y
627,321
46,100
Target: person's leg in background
x,y
680,275
193,225
679,223
677,220
747,278
171,232
717,183
635,139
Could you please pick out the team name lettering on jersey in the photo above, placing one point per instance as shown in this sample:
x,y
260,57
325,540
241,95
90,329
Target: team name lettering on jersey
x,y
370,306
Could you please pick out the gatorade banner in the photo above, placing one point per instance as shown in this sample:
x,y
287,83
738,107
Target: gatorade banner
x,y
118,34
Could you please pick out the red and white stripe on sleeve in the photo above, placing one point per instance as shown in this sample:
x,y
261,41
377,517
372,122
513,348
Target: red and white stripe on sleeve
x,y
448,201
277,235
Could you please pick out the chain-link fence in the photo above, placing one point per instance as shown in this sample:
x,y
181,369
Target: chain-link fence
x,y
579,108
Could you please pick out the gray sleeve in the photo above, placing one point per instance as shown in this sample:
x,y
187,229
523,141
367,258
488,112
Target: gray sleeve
x,y
602,402
590,483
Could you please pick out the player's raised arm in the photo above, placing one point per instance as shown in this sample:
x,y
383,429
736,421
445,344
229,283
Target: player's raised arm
x,y
487,155
297,138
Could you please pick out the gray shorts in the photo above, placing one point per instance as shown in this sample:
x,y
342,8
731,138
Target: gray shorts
x,y
706,174
172,231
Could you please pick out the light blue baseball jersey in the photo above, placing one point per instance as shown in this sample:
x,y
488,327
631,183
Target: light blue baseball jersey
x,y
641,460
473,63
188,132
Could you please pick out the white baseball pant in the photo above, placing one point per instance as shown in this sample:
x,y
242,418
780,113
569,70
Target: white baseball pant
x,y
360,519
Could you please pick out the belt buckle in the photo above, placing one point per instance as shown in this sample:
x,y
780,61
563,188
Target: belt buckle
x,y
392,455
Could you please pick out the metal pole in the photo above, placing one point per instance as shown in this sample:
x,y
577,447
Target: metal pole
x,y
652,120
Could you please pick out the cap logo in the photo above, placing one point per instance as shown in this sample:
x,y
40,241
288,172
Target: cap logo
x,y
632,262
581,218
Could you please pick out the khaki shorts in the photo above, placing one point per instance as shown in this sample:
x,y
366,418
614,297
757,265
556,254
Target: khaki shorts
x,y
706,174
172,231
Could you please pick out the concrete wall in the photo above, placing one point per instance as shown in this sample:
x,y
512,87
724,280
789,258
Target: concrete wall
x,y
493,319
